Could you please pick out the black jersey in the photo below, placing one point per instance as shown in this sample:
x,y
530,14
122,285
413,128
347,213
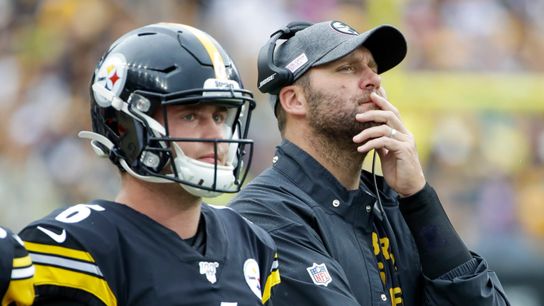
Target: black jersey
x,y
106,253
16,271
336,249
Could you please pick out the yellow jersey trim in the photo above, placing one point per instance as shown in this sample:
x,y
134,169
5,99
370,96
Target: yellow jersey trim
x,y
22,262
58,250
20,291
49,275
272,280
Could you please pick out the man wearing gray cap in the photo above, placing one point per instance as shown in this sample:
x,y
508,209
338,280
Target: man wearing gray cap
x,y
346,236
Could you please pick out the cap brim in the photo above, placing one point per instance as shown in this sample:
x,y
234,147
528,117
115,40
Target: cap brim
x,y
386,44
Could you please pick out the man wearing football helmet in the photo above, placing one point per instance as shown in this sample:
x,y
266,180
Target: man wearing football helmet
x,y
16,271
169,110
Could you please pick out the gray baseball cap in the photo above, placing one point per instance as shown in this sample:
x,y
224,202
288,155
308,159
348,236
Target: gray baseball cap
x,y
327,41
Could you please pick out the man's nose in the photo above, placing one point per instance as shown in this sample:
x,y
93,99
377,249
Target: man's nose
x,y
370,80
212,129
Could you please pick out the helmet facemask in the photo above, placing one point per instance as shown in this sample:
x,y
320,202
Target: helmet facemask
x,y
198,177
162,159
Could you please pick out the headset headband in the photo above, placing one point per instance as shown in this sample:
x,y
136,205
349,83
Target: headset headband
x,y
271,78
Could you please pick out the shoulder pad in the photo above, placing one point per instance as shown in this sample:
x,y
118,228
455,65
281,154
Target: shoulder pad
x,y
69,246
16,270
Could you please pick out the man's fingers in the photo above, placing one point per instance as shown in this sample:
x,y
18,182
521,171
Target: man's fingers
x,y
382,116
380,143
378,131
384,104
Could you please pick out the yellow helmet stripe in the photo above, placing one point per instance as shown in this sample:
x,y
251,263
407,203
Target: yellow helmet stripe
x,y
213,52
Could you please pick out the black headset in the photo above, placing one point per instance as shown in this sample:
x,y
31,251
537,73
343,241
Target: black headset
x,y
271,78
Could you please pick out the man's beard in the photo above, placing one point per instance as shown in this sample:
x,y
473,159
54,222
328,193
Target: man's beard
x,y
333,117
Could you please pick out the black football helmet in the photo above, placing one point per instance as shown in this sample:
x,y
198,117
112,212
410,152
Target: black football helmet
x,y
156,66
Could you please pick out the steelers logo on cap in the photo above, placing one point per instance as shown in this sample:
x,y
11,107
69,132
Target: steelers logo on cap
x,y
343,28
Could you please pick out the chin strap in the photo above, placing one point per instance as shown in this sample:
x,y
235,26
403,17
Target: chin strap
x,y
98,142
205,174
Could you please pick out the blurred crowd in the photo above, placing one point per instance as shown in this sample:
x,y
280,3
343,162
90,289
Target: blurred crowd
x,y
487,163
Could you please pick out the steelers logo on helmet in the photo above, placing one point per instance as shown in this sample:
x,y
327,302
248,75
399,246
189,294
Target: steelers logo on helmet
x,y
343,28
112,75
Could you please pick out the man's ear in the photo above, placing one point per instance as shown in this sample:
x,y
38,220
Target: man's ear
x,y
293,100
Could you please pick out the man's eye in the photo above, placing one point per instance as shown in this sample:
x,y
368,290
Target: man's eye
x,y
189,117
347,68
219,117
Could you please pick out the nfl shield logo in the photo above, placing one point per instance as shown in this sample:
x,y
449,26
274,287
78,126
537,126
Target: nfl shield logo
x,y
319,274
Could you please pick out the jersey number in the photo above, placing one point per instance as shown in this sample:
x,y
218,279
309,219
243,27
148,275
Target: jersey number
x,y
77,213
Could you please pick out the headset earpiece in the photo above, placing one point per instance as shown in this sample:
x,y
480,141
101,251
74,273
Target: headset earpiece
x,y
271,78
